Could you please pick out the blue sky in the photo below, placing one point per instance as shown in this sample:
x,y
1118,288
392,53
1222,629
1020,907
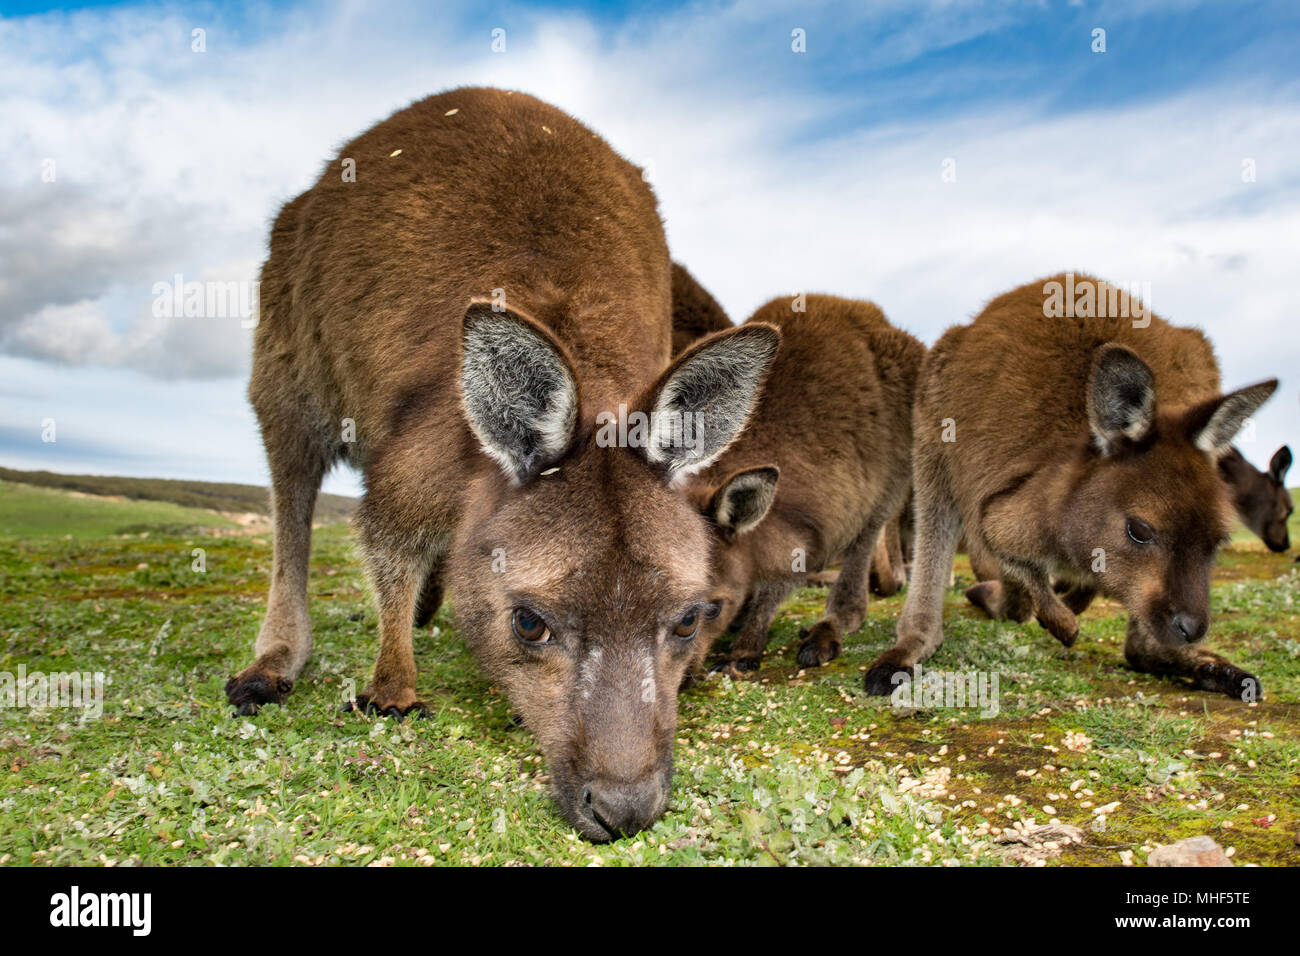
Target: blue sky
x,y
777,172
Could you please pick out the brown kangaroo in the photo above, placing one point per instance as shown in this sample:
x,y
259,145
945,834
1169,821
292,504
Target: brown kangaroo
x,y
1261,498
493,282
1083,448
835,423
695,312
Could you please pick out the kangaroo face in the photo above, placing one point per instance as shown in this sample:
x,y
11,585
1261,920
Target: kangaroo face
x,y
581,575
1262,499
1149,510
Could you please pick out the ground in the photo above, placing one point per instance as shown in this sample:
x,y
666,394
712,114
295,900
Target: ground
x,y
794,767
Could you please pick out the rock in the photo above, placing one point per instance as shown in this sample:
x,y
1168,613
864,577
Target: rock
x,y
1034,844
1194,851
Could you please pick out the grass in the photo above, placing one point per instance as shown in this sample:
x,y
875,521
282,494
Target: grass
x,y
796,767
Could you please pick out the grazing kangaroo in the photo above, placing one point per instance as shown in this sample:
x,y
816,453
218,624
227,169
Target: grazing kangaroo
x,y
1261,498
1083,448
454,323
695,312
835,422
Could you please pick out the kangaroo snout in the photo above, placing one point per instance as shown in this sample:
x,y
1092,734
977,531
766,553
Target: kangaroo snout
x,y
620,808
1188,627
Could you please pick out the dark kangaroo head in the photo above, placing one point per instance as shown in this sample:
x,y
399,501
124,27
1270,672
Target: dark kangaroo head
x,y
1148,510
580,573
733,509
1261,498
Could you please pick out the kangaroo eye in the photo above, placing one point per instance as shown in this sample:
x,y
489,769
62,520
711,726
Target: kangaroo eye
x,y
688,625
1140,532
529,628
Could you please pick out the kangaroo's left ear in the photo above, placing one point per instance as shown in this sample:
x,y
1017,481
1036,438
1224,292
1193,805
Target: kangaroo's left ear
x,y
1212,425
1280,465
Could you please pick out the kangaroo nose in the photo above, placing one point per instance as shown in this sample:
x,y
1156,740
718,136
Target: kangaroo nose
x,y
620,808
1189,627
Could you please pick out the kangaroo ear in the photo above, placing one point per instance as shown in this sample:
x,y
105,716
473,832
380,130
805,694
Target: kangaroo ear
x,y
701,403
1121,398
1212,425
518,390
1280,465
742,501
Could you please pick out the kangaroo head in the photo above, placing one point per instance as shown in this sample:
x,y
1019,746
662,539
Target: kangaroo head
x,y
1261,498
580,573
1147,510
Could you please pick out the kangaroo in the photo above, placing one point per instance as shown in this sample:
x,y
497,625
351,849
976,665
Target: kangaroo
x,y
1083,448
454,323
1261,498
834,424
695,312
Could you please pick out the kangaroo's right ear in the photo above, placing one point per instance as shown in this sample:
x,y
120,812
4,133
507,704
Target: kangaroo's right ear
x,y
1280,465
743,500
1121,398
702,402
518,390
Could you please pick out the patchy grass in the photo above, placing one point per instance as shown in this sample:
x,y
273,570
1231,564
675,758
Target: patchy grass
x,y
796,766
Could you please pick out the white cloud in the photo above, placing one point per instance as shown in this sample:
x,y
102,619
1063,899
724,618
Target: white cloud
x,y
170,161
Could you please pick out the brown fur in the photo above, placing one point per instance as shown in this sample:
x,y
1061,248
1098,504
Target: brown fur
x,y
835,420
474,427
1037,489
888,569
695,312
1261,499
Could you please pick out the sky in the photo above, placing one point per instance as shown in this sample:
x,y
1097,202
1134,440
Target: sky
x,y
924,155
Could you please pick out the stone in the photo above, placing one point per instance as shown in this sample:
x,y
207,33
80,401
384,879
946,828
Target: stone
x,y
1194,851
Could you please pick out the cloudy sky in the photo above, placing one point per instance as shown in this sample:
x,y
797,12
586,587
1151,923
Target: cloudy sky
x,y
127,158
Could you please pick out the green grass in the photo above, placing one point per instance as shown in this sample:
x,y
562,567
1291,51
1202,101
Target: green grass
x,y
796,767
27,511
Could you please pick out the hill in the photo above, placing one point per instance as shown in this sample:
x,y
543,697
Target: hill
x,y
213,496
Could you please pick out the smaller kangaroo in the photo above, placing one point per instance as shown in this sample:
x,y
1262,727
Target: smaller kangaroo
x,y
1262,501
834,422
695,312
1081,448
